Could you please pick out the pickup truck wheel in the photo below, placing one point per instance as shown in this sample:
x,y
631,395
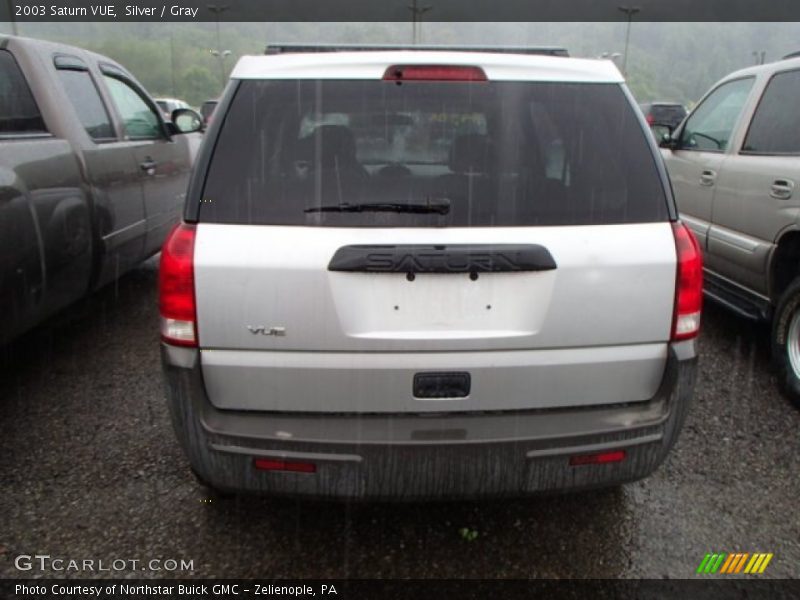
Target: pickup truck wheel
x,y
786,342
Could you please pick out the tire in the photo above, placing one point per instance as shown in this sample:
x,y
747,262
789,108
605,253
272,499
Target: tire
x,y
785,341
214,493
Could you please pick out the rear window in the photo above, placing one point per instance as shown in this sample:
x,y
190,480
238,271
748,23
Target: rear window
x,y
19,114
669,113
207,109
775,128
87,103
483,154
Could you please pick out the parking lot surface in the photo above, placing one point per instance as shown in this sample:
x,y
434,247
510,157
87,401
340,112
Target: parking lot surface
x,y
91,469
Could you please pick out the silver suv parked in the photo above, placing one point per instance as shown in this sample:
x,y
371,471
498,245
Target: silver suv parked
x,y
428,274
735,163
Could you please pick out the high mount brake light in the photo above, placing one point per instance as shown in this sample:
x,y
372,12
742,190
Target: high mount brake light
x,y
176,298
433,73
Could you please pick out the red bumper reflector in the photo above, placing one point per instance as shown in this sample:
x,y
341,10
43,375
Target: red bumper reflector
x,y
597,459
271,464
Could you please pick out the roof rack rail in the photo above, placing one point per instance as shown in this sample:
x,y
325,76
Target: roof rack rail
x,y
794,54
294,48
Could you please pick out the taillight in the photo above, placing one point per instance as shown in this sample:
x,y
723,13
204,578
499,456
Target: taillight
x,y
433,73
650,119
176,298
689,285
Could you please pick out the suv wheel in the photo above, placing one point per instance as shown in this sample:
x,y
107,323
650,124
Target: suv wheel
x,y
213,492
786,342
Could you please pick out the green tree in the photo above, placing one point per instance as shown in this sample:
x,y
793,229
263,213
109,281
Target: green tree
x,y
198,84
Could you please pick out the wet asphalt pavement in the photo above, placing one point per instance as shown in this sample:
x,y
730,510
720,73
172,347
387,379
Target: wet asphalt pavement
x,y
90,469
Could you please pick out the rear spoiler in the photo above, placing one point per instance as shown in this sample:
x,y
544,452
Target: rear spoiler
x,y
295,48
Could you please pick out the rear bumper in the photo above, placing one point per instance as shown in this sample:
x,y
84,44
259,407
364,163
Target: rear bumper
x,y
425,456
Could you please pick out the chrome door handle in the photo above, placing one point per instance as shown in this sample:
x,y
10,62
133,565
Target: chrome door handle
x,y
782,189
708,177
148,166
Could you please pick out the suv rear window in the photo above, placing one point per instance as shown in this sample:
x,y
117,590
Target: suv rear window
x,y
491,153
207,108
668,113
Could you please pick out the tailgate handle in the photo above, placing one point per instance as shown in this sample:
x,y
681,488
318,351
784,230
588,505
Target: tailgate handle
x,y
450,258
441,385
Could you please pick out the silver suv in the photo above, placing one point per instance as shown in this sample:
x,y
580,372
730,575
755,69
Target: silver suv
x,y
735,163
425,275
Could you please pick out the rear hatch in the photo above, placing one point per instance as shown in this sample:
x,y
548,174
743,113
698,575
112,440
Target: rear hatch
x,y
353,234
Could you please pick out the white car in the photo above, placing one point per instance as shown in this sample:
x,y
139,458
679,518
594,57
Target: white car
x,y
168,105
428,274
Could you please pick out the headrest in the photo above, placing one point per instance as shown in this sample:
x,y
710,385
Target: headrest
x,y
337,146
471,152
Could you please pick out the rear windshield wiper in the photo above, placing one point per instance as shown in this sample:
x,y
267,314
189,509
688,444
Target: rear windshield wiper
x,y
441,208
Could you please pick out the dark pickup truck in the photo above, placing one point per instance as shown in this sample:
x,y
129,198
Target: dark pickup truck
x,y
91,176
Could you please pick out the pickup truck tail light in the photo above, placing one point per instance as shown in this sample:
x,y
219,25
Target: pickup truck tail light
x,y
176,297
689,284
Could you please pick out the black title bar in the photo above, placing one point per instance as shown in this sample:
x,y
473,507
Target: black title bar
x,y
398,10
230,589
